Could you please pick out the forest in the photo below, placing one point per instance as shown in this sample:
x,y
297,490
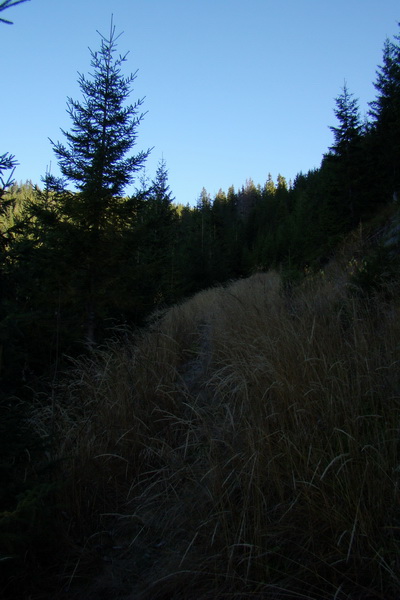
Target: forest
x,y
201,401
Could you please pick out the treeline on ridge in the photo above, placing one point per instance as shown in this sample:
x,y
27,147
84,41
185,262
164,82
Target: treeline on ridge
x,y
75,265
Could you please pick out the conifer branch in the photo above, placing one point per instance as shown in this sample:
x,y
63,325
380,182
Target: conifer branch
x,y
8,4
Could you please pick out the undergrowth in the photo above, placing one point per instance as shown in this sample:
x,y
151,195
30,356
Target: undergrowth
x,y
245,445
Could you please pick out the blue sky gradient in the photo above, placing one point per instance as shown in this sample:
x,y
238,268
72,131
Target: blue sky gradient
x,y
234,89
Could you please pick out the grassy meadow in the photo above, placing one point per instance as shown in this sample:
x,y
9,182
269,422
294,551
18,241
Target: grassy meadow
x,y
244,445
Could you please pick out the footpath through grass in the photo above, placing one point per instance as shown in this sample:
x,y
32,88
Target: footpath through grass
x,y
246,445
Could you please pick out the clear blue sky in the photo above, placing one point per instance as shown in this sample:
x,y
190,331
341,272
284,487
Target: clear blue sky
x,y
234,89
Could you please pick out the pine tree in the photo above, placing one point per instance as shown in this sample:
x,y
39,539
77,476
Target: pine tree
x,y
269,187
385,112
204,211
160,189
157,218
94,159
77,244
343,164
103,131
248,197
387,82
347,134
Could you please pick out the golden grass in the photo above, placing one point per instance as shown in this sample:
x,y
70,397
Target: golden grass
x,y
244,446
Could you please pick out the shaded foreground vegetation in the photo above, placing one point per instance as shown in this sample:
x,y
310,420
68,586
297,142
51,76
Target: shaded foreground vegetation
x,y
245,445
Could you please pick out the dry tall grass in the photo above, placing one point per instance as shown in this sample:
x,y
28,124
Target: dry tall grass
x,y
244,446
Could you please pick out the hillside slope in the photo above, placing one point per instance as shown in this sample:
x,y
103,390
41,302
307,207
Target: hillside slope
x,y
244,445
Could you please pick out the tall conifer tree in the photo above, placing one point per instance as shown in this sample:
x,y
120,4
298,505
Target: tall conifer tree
x,y
347,134
157,218
94,159
385,111
103,131
343,164
78,236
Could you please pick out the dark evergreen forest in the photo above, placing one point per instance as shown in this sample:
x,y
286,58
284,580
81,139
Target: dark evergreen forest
x,y
77,265
82,262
